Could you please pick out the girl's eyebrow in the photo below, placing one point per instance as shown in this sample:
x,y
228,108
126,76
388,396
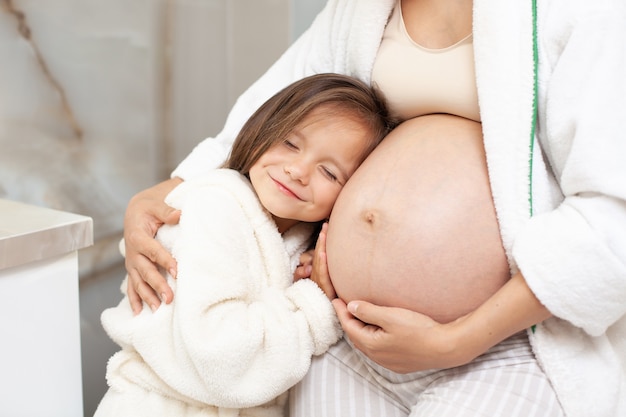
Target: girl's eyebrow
x,y
298,132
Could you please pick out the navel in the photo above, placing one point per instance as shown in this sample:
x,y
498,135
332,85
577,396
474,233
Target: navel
x,y
371,217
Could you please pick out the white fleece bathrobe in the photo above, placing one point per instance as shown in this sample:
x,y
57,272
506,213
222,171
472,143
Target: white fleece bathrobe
x,y
572,251
239,333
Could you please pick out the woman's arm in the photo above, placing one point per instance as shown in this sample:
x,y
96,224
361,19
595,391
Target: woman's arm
x,y
405,341
146,212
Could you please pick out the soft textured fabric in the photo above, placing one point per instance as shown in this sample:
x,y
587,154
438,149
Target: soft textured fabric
x,y
572,251
239,332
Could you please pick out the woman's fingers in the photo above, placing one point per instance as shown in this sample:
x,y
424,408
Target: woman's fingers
x,y
138,292
140,246
145,283
145,214
359,331
399,339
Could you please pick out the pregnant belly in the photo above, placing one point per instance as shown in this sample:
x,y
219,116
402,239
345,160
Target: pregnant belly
x,y
415,226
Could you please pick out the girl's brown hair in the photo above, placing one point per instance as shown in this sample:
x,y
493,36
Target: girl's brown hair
x,y
281,114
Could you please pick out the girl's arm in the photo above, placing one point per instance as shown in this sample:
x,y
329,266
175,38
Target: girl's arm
x,y
238,334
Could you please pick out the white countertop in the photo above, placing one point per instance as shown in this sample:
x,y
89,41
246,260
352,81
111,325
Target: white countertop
x,y
30,233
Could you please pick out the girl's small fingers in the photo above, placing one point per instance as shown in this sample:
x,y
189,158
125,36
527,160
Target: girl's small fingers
x,y
302,272
306,258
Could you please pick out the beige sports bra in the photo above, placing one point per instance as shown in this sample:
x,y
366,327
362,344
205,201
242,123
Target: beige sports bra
x,y
417,80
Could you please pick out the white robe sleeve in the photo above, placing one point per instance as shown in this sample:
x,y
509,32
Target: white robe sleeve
x,y
574,257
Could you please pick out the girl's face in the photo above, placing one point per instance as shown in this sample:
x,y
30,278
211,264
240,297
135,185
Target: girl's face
x,y
300,179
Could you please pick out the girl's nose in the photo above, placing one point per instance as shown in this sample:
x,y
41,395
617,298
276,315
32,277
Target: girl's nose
x,y
298,171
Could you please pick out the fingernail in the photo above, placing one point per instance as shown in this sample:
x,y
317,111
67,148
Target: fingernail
x,y
163,297
308,269
153,307
173,272
353,307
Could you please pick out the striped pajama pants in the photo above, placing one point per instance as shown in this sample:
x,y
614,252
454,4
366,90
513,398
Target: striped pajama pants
x,y
505,381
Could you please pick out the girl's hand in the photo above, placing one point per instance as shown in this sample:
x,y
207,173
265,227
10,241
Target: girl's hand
x,y
305,268
146,212
315,263
320,265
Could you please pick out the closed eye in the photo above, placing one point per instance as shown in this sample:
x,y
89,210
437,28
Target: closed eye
x,y
329,174
290,144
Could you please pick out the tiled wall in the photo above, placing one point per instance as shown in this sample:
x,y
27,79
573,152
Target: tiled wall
x,y
100,99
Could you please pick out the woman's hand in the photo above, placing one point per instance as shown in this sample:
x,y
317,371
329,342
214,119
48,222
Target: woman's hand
x,y
405,341
146,212
398,339
317,265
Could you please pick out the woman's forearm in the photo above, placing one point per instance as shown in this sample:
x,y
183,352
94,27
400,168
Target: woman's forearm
x,y
511,309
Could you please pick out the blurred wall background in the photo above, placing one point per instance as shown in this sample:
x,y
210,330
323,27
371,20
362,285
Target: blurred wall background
x,y
102,98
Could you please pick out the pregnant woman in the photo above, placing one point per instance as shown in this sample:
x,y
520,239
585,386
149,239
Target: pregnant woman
x,y
478,254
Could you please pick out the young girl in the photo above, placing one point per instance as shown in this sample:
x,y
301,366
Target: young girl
x,y
240,332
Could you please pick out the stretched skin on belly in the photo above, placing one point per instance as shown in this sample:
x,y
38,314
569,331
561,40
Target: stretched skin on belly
x,y
415,226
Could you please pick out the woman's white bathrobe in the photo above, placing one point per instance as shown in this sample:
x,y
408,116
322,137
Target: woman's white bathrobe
x,y
572,252
239,332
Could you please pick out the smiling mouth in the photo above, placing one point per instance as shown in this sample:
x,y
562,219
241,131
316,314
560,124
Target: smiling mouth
x,y
285,190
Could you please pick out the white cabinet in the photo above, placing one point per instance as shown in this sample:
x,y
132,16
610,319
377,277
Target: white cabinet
x,y
40,355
